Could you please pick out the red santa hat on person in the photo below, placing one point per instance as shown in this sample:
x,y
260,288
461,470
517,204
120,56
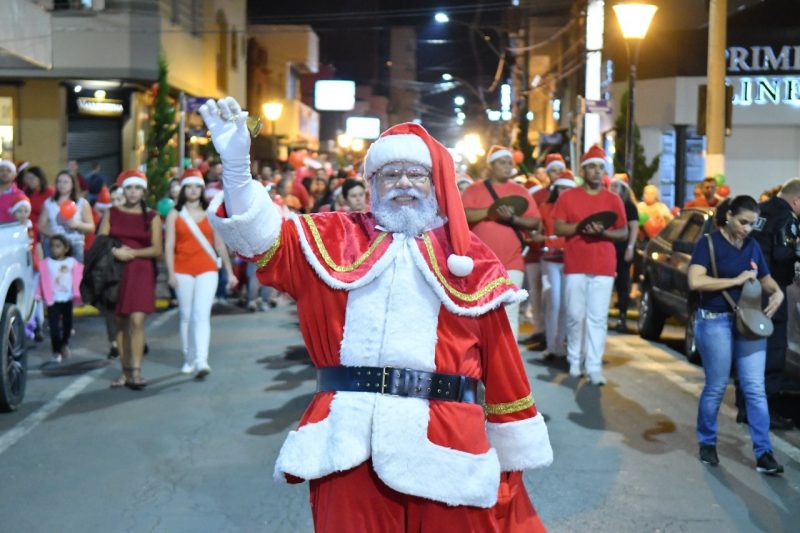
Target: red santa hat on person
x,y
496,152
565,179
411,142
103,199
554,161
5,163
192,176
594,154
18,200
620,178
132,177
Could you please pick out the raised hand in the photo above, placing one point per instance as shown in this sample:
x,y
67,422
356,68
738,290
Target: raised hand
x,y
226,121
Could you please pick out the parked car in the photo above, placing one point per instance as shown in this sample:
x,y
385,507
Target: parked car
x,y
664,282
16,289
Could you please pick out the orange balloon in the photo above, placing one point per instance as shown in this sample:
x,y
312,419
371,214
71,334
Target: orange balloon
x,y
723,190
653,226
68,210
518,156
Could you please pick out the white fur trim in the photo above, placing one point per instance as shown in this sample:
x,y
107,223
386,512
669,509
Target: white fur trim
x,y
565,182
408,462
252,232
193,180
460,265
556,163
593,160
339,442
535,189
376,319
9,165
401,147
521,445
134,180
498,154
379,266
508,297
18,205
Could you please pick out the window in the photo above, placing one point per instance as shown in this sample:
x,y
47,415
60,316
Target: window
x,y
197,16
7,127
673,229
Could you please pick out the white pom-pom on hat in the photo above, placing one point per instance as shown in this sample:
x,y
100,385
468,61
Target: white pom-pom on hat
x,y
460,265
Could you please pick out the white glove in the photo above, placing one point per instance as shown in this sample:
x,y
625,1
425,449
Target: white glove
x,y
226,121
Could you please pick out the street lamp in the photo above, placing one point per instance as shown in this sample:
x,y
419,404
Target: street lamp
x,y
446,77
441,17
272,111
634,19
459,100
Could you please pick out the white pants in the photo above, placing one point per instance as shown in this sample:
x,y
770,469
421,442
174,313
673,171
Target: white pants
x,y
587,298
533,271
195,298
513,309
555,327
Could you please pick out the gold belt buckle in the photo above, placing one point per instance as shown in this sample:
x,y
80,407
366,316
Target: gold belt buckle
x,y
386,371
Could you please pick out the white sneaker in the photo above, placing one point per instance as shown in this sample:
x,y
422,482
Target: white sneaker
x,y
187,368
597,379
575,370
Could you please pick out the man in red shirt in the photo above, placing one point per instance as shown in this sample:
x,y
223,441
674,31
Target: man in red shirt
x,y
708,198
503,231
590,263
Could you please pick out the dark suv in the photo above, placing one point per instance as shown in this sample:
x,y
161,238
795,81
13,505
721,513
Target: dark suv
x,y
665,288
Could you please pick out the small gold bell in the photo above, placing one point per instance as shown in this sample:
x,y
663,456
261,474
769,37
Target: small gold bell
x,y
254,125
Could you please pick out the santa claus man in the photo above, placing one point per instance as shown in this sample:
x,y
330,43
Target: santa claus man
x,y
401,309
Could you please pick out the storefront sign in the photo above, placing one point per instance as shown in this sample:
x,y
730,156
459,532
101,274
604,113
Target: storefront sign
x,y
763,59
766,90
98,107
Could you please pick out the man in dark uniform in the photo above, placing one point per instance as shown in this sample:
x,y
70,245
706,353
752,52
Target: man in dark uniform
x,y
777,232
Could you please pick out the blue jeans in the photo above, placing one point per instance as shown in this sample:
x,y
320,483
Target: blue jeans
x,y
720,345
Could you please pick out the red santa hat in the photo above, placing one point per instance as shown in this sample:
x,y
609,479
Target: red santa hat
x,y
594,154
410,142
496,152
565,179
620,178
18,200
192,176
554,161
132,177
5,163
103,199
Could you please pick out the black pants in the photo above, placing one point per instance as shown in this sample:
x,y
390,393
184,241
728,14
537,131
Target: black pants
x,y
59,315
622,283
775,363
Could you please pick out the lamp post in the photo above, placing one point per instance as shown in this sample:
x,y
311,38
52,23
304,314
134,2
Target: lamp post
x,y
634,19
272,111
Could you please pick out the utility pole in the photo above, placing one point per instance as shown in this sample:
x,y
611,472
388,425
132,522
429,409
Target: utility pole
x,y
715,97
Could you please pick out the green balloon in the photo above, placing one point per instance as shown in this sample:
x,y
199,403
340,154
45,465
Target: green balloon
x,y
164,206
643,218
720,179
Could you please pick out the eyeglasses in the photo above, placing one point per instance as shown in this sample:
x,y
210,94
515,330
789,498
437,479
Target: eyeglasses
x,y
390,175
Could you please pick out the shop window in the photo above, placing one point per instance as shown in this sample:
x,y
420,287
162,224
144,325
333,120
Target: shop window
x,y
6,127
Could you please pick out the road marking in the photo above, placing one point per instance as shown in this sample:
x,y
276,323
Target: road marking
x,y
38,416
163,317
695,389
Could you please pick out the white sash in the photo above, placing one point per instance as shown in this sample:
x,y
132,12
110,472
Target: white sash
x,y
184,214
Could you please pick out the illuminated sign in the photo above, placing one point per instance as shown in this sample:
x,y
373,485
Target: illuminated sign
x,y
97,107
363,127
766,90
763,59
334,95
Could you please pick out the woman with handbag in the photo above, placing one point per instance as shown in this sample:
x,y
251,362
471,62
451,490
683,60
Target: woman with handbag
x,y
193,264
729,270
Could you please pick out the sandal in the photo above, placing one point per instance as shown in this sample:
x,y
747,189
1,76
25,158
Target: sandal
x,y
121,381
136,382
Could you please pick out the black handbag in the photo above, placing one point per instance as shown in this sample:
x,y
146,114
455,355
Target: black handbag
x,y
751,322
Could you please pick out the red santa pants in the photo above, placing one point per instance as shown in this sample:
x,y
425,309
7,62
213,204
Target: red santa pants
x,y
357,501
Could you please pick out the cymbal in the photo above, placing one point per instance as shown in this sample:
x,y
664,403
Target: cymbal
x,y
606,218
517,203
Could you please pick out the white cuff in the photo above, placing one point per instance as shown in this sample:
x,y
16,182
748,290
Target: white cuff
x,y
252,232
521,445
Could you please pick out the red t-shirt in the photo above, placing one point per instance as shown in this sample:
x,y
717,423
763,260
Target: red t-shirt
x,y
541,196
37,202
500,238
584,254
701,201
554,247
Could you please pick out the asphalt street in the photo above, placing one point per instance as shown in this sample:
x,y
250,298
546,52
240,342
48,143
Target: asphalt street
x,y
197,456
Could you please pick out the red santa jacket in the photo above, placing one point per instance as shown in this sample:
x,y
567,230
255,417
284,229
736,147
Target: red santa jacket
x,y
366,297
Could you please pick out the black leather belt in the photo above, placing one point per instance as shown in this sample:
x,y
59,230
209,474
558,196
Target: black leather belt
x,y
398,382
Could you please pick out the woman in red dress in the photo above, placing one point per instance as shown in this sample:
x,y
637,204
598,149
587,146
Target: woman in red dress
x,y
139,231
34,185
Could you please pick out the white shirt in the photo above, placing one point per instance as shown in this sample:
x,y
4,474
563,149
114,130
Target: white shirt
x,y
61,274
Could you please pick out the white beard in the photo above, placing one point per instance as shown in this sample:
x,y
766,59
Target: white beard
x,y
411,220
